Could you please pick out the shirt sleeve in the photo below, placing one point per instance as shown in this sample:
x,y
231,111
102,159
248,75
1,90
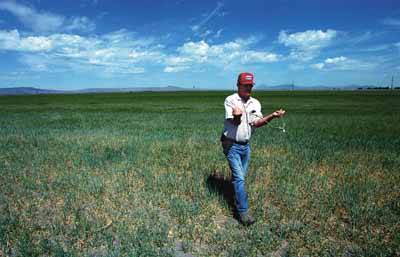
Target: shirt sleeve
x,y
256,113
228,109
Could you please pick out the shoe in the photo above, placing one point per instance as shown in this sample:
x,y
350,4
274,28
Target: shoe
x,y
246,219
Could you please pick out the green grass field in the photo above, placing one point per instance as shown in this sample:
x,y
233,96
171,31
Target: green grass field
x,y
129,175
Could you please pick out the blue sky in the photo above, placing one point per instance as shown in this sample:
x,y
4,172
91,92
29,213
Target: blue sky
x,y
101,43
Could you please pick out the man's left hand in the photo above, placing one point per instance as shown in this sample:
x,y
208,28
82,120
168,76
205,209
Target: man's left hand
x,y
278,113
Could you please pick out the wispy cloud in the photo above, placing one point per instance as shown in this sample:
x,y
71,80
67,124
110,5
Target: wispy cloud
x,y
208,17
390,21
306,45
357,38
40,21
375,48
218,33
83,24
209,35
15,77
342,63
85,3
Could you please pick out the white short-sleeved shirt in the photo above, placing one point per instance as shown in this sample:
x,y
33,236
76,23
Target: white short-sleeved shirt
x,y
251,112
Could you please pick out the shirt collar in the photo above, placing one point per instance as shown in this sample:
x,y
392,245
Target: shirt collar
x,y
240,99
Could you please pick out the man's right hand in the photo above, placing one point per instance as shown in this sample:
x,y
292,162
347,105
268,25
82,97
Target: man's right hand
x,y
236,111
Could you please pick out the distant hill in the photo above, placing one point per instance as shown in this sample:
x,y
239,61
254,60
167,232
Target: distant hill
x,y
274,87
28,91
35,91
302,87
132,89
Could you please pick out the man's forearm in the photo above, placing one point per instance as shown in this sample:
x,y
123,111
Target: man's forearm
x,y
264,120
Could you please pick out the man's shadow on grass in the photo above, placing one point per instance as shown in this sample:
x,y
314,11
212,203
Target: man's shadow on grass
x,y
221,185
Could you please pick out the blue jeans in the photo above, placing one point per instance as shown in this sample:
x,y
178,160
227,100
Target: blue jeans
x,y
238,158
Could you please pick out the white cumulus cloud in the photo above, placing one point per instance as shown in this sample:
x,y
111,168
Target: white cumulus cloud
x,y
197,49
307,44
336,59
318,66
233,52
176,60
11,40
170,69
104,53
254,56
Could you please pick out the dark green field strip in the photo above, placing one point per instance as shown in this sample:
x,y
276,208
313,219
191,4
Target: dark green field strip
x,y
352,102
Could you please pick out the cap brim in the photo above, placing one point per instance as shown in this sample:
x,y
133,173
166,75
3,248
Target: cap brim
x,y
246,83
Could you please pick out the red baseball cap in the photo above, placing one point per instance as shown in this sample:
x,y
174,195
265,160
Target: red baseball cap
x,y
245,78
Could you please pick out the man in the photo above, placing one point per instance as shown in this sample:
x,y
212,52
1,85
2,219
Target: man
x,y
242,116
